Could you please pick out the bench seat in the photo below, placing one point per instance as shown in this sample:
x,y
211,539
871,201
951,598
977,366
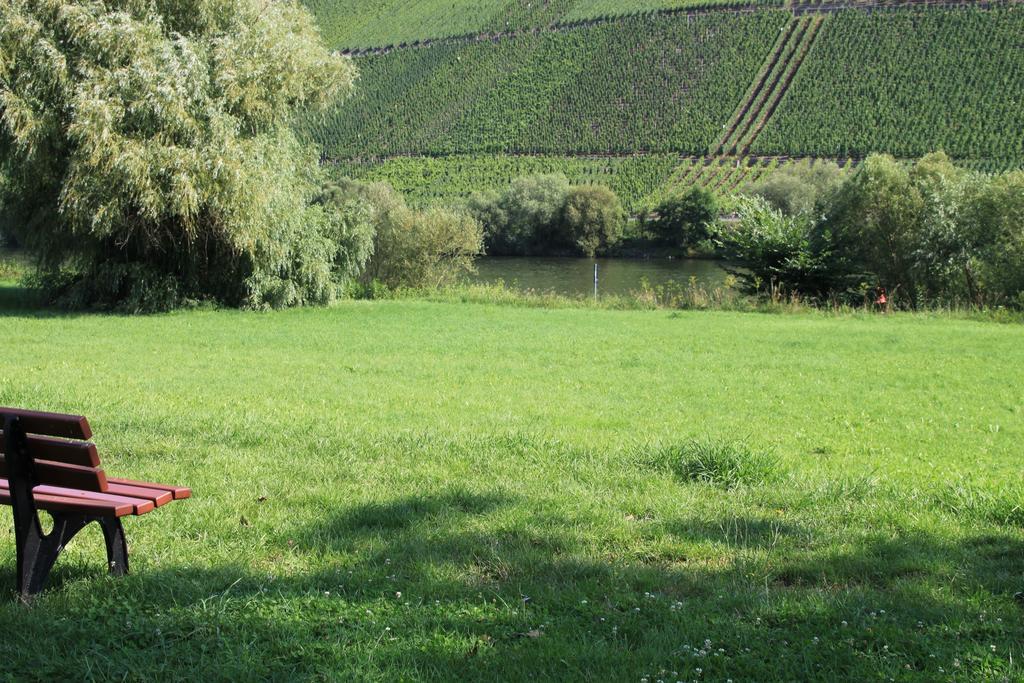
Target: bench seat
x,y
119,500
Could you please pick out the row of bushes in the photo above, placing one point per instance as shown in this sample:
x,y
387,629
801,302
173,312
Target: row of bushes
x,y
910,235
411,248
544,215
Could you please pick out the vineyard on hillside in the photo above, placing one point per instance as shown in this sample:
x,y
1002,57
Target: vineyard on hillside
x,y
643,84
652,104
908,82
360,24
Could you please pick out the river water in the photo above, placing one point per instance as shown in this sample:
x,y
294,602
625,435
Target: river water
x,y
574,276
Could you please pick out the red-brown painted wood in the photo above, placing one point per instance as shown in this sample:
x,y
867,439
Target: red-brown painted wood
x,y
140,506
98,508
158,496
51,424
60,450
67,476
179,492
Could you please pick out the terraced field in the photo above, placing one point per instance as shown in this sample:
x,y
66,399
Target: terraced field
x,y
360,24
449,180
640,181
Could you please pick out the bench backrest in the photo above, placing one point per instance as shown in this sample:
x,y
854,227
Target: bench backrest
x,y
59,449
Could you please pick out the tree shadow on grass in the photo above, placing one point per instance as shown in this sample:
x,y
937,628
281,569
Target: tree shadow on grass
x,y
468,586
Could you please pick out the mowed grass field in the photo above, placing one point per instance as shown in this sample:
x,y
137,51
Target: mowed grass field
x,y
408,491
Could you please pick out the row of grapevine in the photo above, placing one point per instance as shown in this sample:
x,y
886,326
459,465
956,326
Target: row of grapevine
x,y
650,84
361,24
450,180
908,82
641,182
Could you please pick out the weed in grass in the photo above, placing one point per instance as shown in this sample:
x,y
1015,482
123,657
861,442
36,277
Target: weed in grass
x,y
970,502
727,464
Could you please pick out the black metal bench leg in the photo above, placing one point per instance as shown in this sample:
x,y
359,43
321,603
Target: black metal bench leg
x,y
117,546
37,552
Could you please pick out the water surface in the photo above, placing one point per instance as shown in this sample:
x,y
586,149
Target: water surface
x,y
573,276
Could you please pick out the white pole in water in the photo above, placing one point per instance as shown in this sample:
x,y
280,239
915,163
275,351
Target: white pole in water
x,y
595,280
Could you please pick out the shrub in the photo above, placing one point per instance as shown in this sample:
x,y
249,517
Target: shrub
x,y
930,233
778,253
803,187
529,211
544,215
995,217
720,463
686,220
592,218
411,248
148,146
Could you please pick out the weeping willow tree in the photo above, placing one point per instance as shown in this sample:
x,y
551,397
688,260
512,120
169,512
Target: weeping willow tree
x,y
149,156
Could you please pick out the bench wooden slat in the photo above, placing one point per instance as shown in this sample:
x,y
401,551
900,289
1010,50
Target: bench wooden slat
x,y
179,492
158,496
58,450
46,501
140,506
51,424
67,476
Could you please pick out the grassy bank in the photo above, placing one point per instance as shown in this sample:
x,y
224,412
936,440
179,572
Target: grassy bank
x,y
414,490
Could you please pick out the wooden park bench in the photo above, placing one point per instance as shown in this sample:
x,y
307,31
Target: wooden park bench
x,y
48,464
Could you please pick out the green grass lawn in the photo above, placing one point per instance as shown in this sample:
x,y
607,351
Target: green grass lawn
x,y
439,491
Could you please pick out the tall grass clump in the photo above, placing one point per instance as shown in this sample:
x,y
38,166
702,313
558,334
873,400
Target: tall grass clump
x,y
966,500
727,464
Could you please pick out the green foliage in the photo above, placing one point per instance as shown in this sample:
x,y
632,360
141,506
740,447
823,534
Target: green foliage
x,y
545,215
525,218
930,232
685,220
720,463
995,219
592,218
150,157
907,82
778,255
803,187
358,24
653,84
925,234
411,249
